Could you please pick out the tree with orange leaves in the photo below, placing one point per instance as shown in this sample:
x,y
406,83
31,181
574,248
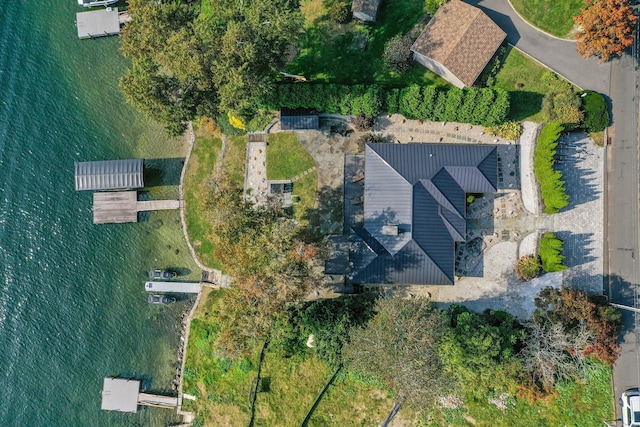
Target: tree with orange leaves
x,y
606,28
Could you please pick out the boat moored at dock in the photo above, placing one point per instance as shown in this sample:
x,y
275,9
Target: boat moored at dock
x,y
161,299
96,3
157,274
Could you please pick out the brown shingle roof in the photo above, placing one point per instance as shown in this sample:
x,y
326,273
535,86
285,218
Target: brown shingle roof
x,y
369,7
462,38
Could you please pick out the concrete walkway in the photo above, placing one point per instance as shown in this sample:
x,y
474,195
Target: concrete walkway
x,y
556,54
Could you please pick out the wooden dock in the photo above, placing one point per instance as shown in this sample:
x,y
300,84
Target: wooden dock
x,y
117,207
157,400
100,23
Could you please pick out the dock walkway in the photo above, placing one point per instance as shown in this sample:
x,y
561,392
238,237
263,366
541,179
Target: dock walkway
x,y
117,207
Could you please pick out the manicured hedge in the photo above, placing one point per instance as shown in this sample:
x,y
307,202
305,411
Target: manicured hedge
x,y
551,253
487,107
596,114
552,187
329,98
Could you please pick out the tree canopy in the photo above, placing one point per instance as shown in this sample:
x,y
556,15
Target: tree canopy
x,y
606,28
192,58
399,345
273,266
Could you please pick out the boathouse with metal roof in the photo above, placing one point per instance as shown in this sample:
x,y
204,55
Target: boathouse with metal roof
x,y
110,175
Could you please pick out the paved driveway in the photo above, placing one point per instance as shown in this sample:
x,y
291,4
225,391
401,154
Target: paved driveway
x,y
559,55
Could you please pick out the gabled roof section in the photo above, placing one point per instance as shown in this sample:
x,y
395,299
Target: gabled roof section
x,y
418,192
462,38
387,201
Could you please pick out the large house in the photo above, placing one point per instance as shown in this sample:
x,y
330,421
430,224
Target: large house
x,y
415,210
458,43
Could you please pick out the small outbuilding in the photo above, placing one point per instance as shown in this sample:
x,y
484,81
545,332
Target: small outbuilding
x,y
365,10
110,175
298,119
120,394
458,43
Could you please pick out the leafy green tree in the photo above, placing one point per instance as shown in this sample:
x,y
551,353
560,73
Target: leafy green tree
x,y
399,345
212,63
479,350
330,322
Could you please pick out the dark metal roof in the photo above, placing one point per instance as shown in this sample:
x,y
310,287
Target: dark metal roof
x,y
298,119
420,188
110,174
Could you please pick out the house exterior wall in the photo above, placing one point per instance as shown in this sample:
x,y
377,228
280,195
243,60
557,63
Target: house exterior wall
x,y
363,17
439,69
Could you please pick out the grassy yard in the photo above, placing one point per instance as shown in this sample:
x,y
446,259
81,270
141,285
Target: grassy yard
x,y
352,53
552,16
286,158
234,160
288,389
520,75
199,178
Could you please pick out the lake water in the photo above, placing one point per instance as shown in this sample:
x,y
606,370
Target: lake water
x,y
72,305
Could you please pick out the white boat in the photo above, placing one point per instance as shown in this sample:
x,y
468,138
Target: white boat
x,y
96,3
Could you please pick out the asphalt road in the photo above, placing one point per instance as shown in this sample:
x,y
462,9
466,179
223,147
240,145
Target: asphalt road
x,y
623,223
559,55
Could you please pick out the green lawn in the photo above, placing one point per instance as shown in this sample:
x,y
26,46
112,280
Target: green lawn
x,y
199,178
552,16
287,158
352,53
289,386
235,158
526,101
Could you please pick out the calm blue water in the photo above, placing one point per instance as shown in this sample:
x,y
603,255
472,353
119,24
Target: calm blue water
x,y
72,304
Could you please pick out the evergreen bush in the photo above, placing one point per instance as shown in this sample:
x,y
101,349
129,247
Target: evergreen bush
x,y
552,187
487,107
551,253
596,114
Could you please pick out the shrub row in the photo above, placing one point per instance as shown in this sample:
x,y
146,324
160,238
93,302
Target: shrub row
x,y
551,253
329,98
488,107
552,187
